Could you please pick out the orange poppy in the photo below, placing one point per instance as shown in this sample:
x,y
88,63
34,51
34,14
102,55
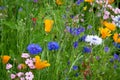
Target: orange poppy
x,y
40,64
5,59
116,38
89,1
48,25
110,1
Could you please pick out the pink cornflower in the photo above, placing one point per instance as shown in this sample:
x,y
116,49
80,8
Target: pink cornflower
x,y
8,66
20,74
32,67
29,76
12,76
116,10
22,78
25,55
29,62
106,15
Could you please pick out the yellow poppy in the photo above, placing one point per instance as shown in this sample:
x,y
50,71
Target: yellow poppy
x,y
40,64
116,38
58,2
5,59
48,25
105,32
110,26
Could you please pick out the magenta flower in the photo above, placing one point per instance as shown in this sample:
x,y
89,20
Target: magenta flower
x,y
25,55
29,75
8,66
12,76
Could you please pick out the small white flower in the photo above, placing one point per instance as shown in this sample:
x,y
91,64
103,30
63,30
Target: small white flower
x,y
93,40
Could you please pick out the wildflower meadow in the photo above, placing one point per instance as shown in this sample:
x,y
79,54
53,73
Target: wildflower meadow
x,y
59,39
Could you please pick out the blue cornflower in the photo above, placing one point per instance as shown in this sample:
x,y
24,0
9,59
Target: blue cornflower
x,y
75,31
75,67
116,45
20,9
89,27
77,74
75,44
86,49
34,48
79,1
79,30
82,38
111,60
2,7
68,62
106,49
53,46
116,57
115,66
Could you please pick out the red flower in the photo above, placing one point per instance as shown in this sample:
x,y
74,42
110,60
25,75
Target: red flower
x,y
34,19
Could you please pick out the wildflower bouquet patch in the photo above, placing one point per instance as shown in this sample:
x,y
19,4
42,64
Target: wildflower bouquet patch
x,y
60,40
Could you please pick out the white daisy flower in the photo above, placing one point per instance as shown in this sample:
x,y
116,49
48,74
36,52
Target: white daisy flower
x,y
93,40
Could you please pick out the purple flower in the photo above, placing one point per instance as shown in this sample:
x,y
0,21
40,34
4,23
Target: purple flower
x,y
75,44
34,49
86,49
35,1
68,62
116,57
20,9
111,60
82,38
106,49
116,45
75,67
79,30
77,74
115,66
75,31
79,1
89,27
97,58
53,46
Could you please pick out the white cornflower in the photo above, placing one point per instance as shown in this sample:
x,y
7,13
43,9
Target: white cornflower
x,y
116,19
93,40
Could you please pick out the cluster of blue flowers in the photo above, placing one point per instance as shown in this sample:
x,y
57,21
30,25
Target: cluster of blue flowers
x,y
75,31
36,48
